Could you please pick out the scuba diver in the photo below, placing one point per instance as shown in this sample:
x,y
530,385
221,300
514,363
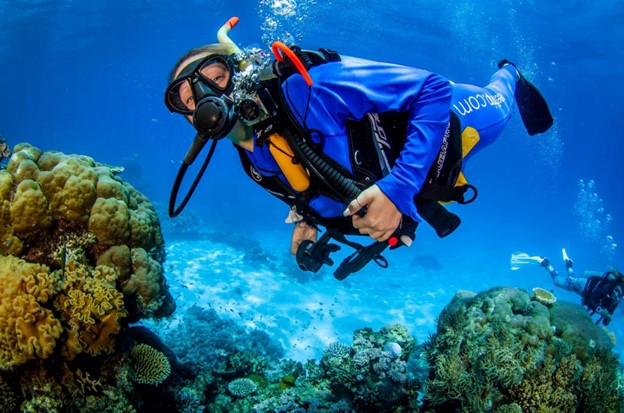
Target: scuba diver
x,y
5,151
355,146
600,293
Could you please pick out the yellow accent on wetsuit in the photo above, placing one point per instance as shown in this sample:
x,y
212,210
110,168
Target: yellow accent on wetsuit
x,y
470,137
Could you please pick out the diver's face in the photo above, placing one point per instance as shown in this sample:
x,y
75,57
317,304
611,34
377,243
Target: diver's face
x,y
197,77
217,73
618,293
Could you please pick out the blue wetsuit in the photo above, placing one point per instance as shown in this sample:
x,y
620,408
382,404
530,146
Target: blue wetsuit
x,y
351,88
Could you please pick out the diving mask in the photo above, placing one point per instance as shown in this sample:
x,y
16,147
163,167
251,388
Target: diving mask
x,y
202,91
208,76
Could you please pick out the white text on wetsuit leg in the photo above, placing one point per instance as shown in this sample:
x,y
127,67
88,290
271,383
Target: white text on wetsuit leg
x,y
478,101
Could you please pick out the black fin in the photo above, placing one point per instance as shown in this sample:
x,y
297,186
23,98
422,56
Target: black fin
x,y
531,104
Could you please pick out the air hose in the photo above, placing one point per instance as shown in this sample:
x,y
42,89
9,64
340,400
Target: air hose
x,y
346,189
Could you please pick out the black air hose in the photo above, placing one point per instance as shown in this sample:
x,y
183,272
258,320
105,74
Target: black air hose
x,y
346,188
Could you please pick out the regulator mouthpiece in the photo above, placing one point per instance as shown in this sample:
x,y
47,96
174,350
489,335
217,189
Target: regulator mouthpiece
x,y
213,117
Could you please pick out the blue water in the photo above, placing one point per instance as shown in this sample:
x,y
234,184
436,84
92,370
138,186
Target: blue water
x,y
88,77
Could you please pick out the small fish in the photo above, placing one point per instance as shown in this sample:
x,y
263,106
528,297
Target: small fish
x,y
5,150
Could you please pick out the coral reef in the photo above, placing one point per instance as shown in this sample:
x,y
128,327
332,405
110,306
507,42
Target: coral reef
x,y
149,366
81,256
248,380
372,373
501,350
28,327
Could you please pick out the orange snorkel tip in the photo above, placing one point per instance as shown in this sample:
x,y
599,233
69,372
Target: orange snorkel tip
x,y
278,48
233,21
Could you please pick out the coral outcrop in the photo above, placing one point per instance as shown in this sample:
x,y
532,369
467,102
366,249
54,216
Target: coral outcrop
x,y
80,251
51,202
503,350
81,256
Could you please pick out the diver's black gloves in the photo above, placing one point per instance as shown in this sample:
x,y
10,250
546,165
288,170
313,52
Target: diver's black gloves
x,y
311,256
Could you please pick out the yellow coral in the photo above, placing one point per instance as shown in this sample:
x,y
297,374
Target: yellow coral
x,y
117,257
9,243
109,187
28,329
27,169
149,366
92,308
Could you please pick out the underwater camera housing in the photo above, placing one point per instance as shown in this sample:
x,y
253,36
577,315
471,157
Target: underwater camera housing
x,y
252,101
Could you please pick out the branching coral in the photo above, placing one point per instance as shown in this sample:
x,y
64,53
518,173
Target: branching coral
x,y
367,372
599,378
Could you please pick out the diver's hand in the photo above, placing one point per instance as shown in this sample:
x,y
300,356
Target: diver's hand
x,y
302,232
382,217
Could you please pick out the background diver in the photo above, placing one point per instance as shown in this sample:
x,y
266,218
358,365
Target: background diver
x,y
600,293
352,145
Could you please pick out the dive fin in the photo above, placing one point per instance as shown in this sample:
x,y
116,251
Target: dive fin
x,y
522,258
533,108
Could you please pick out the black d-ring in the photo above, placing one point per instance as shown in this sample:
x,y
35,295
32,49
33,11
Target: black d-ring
x,y
381,261
474,194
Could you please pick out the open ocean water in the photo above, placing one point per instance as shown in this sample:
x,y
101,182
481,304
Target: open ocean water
x,y
87,77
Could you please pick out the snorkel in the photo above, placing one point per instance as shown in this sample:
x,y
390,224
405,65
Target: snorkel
x,y
224,39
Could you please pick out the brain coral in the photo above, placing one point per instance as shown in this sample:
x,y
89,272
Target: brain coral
x,y
499,350
83,250
149,366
